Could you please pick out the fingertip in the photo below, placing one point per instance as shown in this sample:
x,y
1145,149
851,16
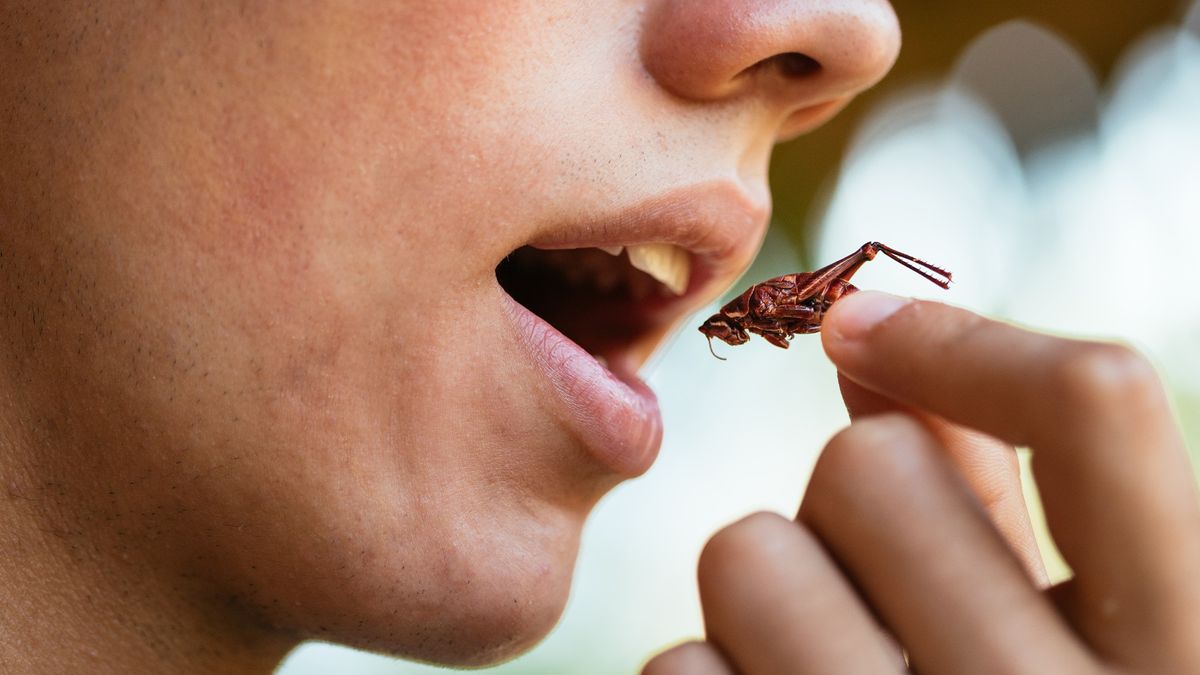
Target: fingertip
x,y
691,658
856,315
746,544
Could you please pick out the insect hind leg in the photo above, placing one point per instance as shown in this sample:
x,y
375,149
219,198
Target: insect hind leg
x,y
775,339
790,312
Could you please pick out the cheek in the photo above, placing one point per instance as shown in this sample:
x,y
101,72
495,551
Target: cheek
x,y
336,457
276,336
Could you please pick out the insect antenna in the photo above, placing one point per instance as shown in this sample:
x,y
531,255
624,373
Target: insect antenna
x,y
710,349
921,267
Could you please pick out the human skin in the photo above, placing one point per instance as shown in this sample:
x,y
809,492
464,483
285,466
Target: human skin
x,y
258,381
893,548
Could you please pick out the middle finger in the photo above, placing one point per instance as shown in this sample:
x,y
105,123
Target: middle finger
x,y
989,466
890,508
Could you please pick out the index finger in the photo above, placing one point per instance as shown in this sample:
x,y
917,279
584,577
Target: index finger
x,y
1117,486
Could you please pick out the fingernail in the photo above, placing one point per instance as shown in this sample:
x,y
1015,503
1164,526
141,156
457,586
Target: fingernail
x,y
858,313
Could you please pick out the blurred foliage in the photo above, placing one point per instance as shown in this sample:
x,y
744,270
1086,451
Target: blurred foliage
x,y
935,33
1187,406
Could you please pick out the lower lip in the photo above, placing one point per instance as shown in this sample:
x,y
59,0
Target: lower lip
x,y
616,416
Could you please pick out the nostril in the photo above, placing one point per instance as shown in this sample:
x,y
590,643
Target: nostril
x,y
794,53
789,66
794,65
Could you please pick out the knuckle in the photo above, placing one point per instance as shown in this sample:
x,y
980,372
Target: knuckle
x,y
740,546
1105,378
690,657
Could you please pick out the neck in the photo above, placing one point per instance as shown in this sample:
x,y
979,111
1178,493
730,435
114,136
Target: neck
x,y
71,600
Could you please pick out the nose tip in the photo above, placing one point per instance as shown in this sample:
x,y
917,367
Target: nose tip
x,y
795,53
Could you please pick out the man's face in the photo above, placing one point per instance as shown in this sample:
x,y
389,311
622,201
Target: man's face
x,y
269,346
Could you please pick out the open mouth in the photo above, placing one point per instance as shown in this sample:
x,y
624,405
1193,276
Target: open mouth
x,y
604,300
588,317
591,300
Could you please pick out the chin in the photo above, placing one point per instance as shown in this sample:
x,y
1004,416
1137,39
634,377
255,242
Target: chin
x,y
498,618
470,596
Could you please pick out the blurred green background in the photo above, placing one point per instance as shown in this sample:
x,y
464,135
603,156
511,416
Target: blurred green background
x,y
1047,153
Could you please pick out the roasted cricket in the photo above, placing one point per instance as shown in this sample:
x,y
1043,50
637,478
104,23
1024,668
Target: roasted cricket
x,y
779,308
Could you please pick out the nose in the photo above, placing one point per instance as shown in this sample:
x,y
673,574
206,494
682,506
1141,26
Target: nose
x,y
797,55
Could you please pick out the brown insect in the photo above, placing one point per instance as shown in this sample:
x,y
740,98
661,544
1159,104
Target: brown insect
x,y
779,308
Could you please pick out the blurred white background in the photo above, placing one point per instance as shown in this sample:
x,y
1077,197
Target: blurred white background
x,y
1092,235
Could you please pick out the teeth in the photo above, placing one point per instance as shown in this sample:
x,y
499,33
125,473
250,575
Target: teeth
x,y
612,250
668,263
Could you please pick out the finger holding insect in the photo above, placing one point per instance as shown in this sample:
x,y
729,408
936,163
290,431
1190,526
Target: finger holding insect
x,y
1115,478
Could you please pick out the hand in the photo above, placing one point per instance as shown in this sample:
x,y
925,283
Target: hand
x,y
912,532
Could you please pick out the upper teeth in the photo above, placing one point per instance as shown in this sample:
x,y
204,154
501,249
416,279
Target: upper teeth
x,y
669,264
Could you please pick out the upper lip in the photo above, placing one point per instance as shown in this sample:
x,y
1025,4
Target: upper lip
x,y
719,223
